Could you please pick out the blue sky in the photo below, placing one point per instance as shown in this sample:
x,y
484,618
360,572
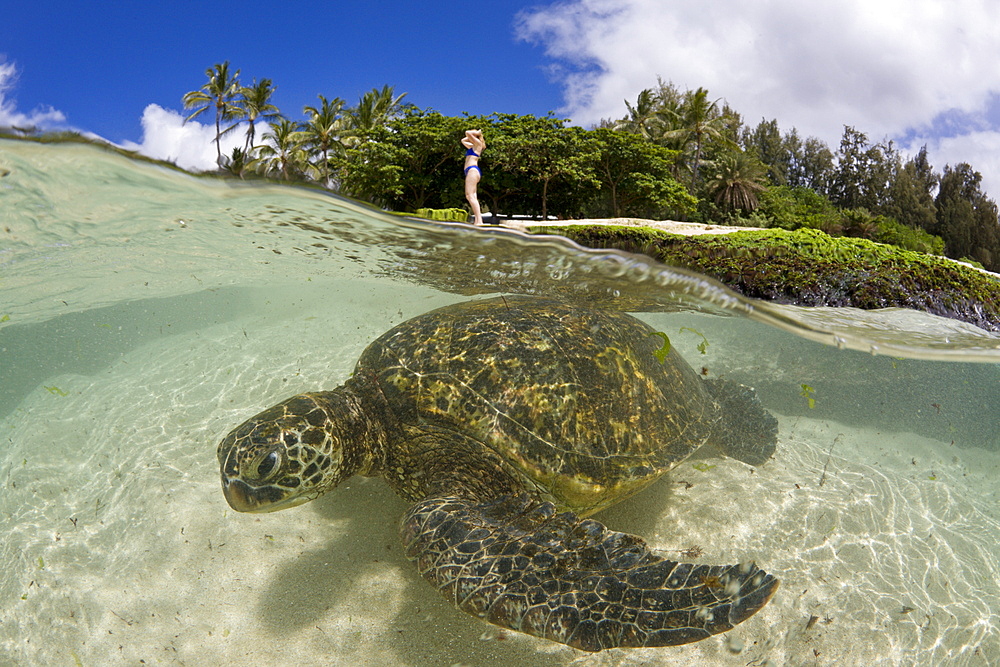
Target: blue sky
x,y
914,71
102,67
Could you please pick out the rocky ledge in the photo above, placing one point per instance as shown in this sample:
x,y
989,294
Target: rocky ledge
x,y
807,267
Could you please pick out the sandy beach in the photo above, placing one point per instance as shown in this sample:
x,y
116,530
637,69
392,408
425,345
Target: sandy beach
x,y
672,226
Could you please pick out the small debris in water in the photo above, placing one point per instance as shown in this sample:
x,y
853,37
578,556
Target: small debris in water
x,y
691,552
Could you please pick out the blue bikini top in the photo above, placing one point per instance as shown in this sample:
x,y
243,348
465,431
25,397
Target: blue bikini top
x,y
471,152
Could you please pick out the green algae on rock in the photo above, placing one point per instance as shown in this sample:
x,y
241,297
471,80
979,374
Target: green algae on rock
x,y
807,267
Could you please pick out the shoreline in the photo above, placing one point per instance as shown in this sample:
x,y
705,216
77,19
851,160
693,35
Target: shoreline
x,y
805,267
669,226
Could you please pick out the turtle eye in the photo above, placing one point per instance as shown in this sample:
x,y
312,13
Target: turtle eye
x,y
267,465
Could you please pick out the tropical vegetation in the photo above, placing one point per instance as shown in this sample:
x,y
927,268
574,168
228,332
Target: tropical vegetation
x,y
674,154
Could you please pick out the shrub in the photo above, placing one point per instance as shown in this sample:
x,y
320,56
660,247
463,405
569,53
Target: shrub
x,y
896,233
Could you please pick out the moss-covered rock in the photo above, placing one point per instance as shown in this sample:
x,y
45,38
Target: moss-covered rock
x,y
807,267
443,214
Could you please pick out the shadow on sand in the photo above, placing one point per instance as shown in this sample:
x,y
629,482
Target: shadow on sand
x,y
426,630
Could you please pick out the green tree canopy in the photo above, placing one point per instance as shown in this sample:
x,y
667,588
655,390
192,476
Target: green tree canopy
x,y
863,173
645,118
699,122
544,151
322,132
253,105
966,217
283,155
910,198
737,180
790,160
636,178
219,93
373,111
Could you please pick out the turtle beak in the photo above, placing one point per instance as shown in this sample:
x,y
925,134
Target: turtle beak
x,y
244,498
258,499
239,495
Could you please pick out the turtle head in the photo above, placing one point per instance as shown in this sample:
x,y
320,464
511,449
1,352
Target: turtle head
x,y
292,453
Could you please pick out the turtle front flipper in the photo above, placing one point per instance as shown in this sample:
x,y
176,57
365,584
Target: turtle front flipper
x,y
747,431
518,564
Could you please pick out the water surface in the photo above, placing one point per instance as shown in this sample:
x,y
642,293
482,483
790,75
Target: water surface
x,y
145,312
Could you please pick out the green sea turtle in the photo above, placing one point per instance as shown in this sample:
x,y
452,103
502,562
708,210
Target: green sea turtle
x,y
505,421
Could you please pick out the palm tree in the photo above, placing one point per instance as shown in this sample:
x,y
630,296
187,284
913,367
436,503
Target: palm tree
x,y
859,223
700,122
374,108
323,130
282,152
644,118
237,163
255,105
739,178
220,92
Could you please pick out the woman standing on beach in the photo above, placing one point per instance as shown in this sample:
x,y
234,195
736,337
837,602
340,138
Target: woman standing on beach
x,y
475,145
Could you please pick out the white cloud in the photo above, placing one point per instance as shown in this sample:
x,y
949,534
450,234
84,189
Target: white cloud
x,y
165,135
979,149
885,67
44,118
190,145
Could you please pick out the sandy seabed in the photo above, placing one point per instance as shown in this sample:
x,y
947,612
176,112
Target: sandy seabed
x,y
119,547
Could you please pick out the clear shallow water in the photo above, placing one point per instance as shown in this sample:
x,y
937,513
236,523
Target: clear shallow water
x,y
146,312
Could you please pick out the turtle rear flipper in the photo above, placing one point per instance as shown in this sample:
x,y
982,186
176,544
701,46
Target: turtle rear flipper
x,y
748,432
518,564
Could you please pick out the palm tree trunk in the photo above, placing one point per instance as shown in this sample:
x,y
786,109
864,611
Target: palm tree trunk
x,y
249,141
697,161
218,139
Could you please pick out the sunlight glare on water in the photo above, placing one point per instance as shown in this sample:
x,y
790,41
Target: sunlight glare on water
x,y
146,312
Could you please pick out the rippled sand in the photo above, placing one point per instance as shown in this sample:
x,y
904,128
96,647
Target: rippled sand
x,y
119,547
